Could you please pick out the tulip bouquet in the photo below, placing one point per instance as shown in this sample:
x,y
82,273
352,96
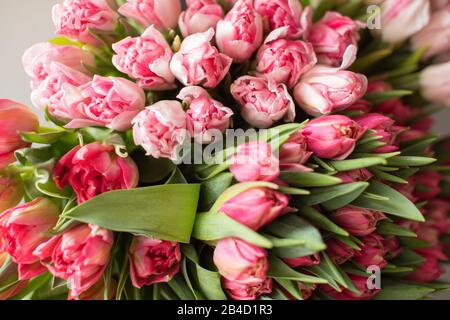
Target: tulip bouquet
x,y
249,149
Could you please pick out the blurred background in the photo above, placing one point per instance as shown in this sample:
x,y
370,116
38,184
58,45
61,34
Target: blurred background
x,y
26,22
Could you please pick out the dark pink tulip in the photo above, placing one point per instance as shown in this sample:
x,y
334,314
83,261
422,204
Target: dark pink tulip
x,y
357,221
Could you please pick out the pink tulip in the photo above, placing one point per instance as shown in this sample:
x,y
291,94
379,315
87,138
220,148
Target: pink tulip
x,y
339,252
262,101
427,271
75,19
146,59
254,161
285,61
332,137
241,292
200,15
435,84
256,207
378,86
14,117
240,34
294,153
437,215
205,115
94,169
385,127
200,63
395,109
427,185
357,221
356,175
332,35
23,229
301,262
360,282
285,13
435,37
324,90
38,60
49,93
79,256
372,252
392,247
163,14
161,129
105,101
241,262
11,191
307,290
402,18
153,261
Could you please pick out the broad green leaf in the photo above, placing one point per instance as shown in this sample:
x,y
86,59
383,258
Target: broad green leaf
x,y
388,177
291,287
418,147
309,179
280,270
391,229
321,221
215,226
165,212
293,227
335,196
393,269
393,290
210,285
414,243
180,287
212,189
293,191
410,161
34,156
43,138
152,170
379,97
398,204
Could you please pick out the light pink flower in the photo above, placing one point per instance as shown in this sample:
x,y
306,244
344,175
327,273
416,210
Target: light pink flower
x,y
294,153
256,207
200,63
240,34
402,18
332,137
263,102
49,93
246,292
200,15
146,59
94,169
23,229
79,256
332,35
153,261
254,161
285,13
205,115
105,101
435,84
14,117
285,61
75,18
163,14
324,90
161,129
38,60
241,262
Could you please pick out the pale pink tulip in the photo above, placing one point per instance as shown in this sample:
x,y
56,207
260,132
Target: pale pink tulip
x,y
163,14
200,15
435,84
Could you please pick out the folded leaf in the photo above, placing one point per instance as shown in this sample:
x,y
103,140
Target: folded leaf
x,y
309,179
333,197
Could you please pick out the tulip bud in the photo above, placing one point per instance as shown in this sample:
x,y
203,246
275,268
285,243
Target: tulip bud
x,y
241,262
427,185
392,247
372,252
360,282
14,117
332,137
339,252
200,15
23,229
324,90
11,191
256,207
437,215
357,175
153,261
301,262
79,256
294,153
357,221
240,34
242,291
428,271
254,161
434,83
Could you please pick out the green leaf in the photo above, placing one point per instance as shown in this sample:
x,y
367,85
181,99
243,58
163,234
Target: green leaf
x,y
388,177
63,41
347,165
410,161
293,191
180,287
291,287
418,147
379,97
398,204
408,258
321,221
42,138
393,290
387,228
165,212
210,284
367,61
34,156
293,227
280,270
213,188
215,226
309,179
334,197
152,170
